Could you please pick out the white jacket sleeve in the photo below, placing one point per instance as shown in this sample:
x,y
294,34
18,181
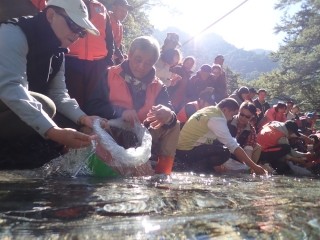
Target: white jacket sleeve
x,y
218,125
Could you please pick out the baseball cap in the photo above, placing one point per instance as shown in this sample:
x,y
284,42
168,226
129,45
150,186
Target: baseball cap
x,y
123,3
293,127
78,12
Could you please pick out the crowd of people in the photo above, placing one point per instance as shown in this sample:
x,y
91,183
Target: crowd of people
x,y
66,66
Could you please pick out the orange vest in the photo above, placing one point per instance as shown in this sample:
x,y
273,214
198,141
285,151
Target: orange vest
x,y
117,29
120,94
182,115
268,137
93,47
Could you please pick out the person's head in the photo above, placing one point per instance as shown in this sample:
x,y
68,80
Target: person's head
x,y
247,111
292,128
229,107
143,53
219,59
243,93
262,94
295,109
206,98
289,105
69,20
252,93
171,42
216,70
120,9
280,107
205,71
189,62
171,57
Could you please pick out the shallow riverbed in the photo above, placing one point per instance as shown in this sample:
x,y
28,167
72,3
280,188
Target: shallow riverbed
x,y
185,206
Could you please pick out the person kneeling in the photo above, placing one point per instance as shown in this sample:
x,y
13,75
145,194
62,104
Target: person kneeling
x,y
205,140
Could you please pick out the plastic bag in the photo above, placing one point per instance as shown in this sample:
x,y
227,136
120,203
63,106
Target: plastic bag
x,y
130,157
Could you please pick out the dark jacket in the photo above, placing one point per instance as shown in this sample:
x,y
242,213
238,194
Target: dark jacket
x,y
45,56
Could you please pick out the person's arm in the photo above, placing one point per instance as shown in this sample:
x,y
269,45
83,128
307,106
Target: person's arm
x,y
109,41
59,94
243,157
219,127
14,83
98,103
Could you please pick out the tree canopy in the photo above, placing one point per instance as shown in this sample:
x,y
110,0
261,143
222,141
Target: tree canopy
x,y
299,56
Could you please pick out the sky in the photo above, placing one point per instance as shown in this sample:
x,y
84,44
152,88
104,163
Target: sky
x,y
251,26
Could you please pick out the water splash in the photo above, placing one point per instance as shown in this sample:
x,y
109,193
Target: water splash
x,y
71,164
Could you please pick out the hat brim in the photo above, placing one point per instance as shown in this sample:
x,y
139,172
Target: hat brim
x,y
84,23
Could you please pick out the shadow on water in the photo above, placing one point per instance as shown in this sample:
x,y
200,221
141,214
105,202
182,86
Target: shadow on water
x,y
185,206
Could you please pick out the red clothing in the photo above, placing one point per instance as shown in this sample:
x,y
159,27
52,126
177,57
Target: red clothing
x,y
271,115
120,94
268,138
93,47
183,116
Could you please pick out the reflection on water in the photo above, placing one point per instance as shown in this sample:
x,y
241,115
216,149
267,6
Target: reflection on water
x,y
185,206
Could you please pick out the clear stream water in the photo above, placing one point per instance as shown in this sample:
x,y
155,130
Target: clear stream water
x,y
184,206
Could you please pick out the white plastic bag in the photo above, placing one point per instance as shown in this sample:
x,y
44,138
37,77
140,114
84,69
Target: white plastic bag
x,y
131,157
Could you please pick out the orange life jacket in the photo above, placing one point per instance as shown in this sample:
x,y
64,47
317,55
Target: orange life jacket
x,y
268,138
93,47
182,115
120,94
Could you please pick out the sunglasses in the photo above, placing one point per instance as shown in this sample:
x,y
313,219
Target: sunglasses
x,y
73,26
246,116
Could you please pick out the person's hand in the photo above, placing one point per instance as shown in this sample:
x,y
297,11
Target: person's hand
x,y
130,116
89,120
259,170
174,79
159,115
69,137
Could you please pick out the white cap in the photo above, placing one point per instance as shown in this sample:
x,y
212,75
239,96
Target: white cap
x,y
77,11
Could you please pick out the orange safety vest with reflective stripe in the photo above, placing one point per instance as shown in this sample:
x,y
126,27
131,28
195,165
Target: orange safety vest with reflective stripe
x,y
182,115
268,138
93,47
120,94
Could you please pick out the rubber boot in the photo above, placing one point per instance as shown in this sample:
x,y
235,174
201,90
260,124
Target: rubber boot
x,y
164,165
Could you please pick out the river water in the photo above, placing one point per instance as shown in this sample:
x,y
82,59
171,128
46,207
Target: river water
x,y
183,206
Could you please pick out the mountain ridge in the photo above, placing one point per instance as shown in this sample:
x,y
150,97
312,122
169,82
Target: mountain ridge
x,y
250,64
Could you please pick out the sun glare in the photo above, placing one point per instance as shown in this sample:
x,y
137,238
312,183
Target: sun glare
x,y
250,26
